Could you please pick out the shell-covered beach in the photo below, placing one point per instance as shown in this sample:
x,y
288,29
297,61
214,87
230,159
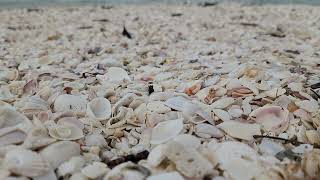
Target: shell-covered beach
x,y
211,91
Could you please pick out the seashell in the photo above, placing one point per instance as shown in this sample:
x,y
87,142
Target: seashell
x,y
6,95
297,87
194,88
124,101
119,120
174,175
74,85
208,131
8,74
50,175
235,158
302,149
272,118
14,137
241,92
221,114
188,141
36,138
95,170
141,113
163,76
95,139
156,155
158,107
211,81
313,136
275,92
99,109
250,85
34,105
114,75
30,87
304,115
240,130
71,120
222,103
188,161
67,132
310,163
235,111
78,176
195,114
239,71
246,106
308,105
164,131
128,171
59,152
25,162
177,103
270,147
67,102
160,96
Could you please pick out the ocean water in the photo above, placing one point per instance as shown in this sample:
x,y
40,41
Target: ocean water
x,y
26,3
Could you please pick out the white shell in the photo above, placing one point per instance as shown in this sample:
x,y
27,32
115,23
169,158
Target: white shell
x,y
208,131
66,131
167,176
188,140
221,114
67,102
308,105
94,170
59,152
240,130
114,75
187,160
73,165
272,118
34,105
25,162
164,131
222,103
156,155
158,107
177,103
99,109
95,139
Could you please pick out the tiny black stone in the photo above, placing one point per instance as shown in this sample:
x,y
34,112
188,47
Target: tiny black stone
x,y
150,89
126,33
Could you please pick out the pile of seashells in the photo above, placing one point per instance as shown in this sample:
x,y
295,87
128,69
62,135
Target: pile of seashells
x,y
171,103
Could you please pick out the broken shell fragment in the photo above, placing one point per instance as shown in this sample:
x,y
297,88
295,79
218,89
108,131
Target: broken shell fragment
x,y
208,131
99,109
166,130
25,162
240,130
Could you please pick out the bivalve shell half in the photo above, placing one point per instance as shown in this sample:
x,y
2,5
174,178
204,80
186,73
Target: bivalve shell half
x,y
59,152
166,130
99,109
66,131
67,102
25,162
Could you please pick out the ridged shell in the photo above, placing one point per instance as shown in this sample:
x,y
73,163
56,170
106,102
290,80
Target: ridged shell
x,y
66,131
25,162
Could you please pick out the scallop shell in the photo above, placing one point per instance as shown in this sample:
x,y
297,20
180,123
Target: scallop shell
x,y
67,102
164,131
95,170
59,152
66,131
240,130
272,118
99,109
174,175
25,162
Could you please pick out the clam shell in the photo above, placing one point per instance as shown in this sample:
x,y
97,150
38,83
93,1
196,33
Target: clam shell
x,y
59,152
67,102
164,131
66,131
99,109
272,118
25,162
222,103
240,130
